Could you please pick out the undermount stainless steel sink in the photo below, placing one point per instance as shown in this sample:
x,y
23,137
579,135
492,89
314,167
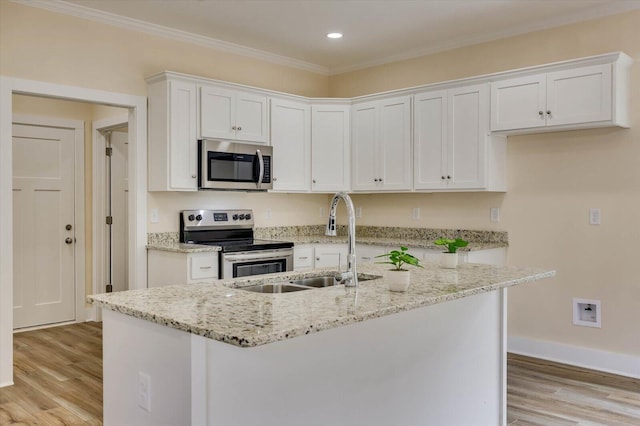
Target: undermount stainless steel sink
x,y
302,284
325,281
275,288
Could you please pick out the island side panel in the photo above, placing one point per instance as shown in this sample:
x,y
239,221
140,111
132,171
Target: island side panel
x,y
442,364
132,346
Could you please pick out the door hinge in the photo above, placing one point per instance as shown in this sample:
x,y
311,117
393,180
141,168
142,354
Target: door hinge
x,y
108,151
109,220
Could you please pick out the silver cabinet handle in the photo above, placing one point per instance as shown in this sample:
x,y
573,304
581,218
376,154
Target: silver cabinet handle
x,y
548,112
442,177
233,128
68,240
303,257
314,181
194,176
239,128
275,179
448,177
205,267
318,259
68,227
540,113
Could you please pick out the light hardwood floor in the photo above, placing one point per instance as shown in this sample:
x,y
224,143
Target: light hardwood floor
x,y
58,376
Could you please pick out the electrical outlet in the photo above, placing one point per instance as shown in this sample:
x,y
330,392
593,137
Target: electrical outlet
x,y
154,216
416,213
495,214
144,391
268,214
358,211
594,216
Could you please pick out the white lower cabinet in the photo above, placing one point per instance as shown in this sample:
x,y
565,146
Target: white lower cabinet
x,y
311,256
168,268
303,257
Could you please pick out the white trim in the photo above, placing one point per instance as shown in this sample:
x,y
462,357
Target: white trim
x,y
212,43
84,12
78,210
137,106
594,359
98,202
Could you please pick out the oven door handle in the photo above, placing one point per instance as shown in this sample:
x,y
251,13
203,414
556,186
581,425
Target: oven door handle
x,y
251,257
261,168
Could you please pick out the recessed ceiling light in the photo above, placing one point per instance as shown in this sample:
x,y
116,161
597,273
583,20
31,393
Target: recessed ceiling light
x,y
334,35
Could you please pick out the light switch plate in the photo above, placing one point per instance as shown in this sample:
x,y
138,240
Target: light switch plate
x,y
154,216
495,214
594,216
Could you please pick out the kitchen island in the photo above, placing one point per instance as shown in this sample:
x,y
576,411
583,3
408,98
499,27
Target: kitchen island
x,y
216,354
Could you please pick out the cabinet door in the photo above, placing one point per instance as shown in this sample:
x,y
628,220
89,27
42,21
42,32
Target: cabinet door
x,y
580,95
217,113
367,253
330,148
183,146
329,255
430,140
394,144
290,137
518,103
364,173
467,132
251,117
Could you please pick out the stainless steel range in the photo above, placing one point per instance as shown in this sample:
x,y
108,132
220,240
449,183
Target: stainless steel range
x,y
241,254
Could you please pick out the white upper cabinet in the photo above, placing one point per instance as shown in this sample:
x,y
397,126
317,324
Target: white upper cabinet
x,y
566,99
172,139
291,141
330,160
452,147
381,145
233,115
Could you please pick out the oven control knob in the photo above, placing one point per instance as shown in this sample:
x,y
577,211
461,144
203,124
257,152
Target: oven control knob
x,y
247,216
191,217
199,217
235,217
241,217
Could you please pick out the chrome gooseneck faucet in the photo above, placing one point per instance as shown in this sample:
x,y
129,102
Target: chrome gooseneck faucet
x,y
350,277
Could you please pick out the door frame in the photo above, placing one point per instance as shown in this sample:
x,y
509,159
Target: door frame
x,y
99,143
78,198
137,106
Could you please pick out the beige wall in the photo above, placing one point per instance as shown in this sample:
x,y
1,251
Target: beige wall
x,y
553,180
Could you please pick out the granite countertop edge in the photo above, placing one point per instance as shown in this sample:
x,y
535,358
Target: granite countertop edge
x,y
222,329
321,239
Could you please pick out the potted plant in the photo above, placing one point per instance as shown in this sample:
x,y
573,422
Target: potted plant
x,y
398,278
449,258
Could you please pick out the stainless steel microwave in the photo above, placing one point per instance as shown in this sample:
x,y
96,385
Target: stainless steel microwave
x,y
234,166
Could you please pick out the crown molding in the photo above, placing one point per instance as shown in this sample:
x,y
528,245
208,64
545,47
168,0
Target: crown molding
x,y
162,31
84,12
598,12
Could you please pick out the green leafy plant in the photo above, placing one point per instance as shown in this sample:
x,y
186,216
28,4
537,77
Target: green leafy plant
x,y
399,258
452,245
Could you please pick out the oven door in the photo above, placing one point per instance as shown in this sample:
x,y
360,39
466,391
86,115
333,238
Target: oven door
x,y
231,165
246,263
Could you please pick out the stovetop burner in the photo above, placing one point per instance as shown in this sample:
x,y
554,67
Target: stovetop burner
x,y
232,230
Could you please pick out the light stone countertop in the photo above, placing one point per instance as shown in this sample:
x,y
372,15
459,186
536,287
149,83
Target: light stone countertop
x,y
322,239
223,312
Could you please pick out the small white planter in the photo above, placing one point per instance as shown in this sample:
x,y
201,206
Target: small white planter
x,y
397,280
449,260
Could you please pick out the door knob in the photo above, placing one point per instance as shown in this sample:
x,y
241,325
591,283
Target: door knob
x,y
68,227
68,240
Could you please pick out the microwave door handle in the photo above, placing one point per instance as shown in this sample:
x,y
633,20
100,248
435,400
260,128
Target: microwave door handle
x,y
261,168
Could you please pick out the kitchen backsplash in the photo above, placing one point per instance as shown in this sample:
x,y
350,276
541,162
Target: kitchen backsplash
x,y
428,234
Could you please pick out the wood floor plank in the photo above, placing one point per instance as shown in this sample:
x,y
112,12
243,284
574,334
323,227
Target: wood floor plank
x,y
58,376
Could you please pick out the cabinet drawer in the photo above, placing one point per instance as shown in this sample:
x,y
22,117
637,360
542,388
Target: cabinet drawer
x,y
302,258
203,267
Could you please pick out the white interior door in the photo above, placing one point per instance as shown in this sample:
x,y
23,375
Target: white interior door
x,y
44,225
119,211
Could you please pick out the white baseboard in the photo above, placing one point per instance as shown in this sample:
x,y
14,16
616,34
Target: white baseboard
x,y
594,359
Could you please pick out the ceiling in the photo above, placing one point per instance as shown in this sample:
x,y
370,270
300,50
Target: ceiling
x,y
375,31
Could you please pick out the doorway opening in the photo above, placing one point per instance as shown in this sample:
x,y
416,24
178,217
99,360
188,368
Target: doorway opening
x,y
136,117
